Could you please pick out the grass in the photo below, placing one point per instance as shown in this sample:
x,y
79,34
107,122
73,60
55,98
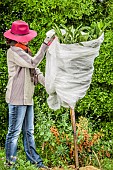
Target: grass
x,y
22,164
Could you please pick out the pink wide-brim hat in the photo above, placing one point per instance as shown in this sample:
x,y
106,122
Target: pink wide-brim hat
x,y
20,32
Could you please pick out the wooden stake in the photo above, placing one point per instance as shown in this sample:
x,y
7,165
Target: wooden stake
x,y
72,113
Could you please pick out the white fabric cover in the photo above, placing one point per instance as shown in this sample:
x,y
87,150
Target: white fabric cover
x,y
69,69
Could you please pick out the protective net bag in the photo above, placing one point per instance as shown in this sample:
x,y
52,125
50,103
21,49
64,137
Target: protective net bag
x,y
69,69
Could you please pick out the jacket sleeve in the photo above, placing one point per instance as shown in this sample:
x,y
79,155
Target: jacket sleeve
x,y
22,59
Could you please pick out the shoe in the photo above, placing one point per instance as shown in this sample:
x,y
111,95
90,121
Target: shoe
x,y
10,165
43,167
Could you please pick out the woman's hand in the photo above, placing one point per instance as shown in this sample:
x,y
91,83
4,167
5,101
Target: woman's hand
x,y
49,39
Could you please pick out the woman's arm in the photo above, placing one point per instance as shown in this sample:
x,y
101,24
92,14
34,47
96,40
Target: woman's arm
x,y
41,78
23,59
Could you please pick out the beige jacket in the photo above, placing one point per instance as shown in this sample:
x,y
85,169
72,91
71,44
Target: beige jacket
x,y
20,88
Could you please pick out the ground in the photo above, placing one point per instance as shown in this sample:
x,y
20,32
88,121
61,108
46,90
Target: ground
x,y
82,168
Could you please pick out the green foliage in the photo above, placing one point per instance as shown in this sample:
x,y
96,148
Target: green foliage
x,y
3,105
107,164
20,165
97,105
57,147
70,35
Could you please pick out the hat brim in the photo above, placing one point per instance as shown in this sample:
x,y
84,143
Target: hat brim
x,y
21,38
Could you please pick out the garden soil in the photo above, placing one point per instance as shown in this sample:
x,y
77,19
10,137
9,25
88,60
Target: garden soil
x,y
73,167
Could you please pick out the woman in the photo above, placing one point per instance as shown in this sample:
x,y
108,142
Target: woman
x,y
23,75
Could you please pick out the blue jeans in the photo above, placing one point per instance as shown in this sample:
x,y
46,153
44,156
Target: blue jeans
x,y
21,118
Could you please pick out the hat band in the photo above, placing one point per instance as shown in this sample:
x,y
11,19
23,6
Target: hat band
x,y
19,34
